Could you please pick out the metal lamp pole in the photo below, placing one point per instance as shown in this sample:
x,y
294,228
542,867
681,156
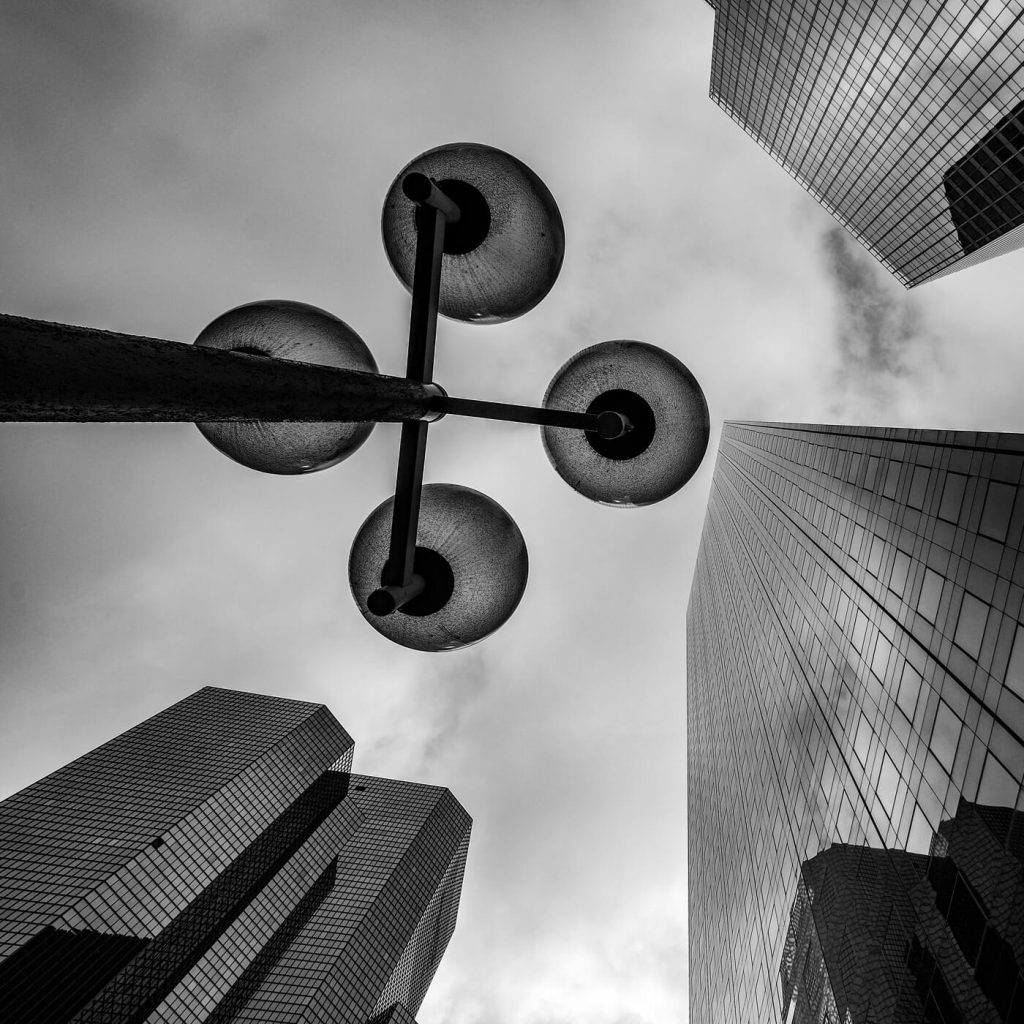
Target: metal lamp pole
x,y
627,423
54,372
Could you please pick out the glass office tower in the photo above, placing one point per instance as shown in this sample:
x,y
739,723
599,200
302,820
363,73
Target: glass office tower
x,y
902,119
855,668
219,862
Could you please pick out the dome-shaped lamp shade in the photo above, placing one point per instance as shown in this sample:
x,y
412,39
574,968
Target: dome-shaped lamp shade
x,y
288,330
665,408
473,560
503,254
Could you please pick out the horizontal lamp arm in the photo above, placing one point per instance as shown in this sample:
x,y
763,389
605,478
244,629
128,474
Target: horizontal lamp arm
x,y
54,372
606,424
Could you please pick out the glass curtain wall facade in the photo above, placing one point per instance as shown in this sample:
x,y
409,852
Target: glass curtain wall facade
x,y
220,862
901,119
855,668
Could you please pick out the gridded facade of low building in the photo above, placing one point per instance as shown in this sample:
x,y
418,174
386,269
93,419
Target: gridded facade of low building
x,y
845,949
855,666
877,109
900,938
985,189
219,862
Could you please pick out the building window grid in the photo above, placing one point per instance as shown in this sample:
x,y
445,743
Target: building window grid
x,y
900,114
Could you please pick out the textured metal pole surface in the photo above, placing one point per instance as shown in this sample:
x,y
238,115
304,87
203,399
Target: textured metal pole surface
x,y
58,372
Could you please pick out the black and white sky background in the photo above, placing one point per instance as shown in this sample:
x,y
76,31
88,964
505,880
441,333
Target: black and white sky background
x,y
164,162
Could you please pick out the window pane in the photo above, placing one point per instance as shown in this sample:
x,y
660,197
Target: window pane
x,y
931,591
971,625
892,476
910,687
1015,670
918,486
998,506
900,569
997,785
952,497
945,735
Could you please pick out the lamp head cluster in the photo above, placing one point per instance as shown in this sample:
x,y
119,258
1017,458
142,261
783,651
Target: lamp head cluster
x,y
475,236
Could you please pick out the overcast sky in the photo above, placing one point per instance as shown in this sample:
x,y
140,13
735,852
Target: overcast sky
x,y
163,163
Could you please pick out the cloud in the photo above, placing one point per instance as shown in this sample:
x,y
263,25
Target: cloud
x,y
447,693
879,329
627,966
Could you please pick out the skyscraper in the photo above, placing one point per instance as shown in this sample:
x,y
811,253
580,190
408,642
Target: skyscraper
x,y
219,862
904,120
855,667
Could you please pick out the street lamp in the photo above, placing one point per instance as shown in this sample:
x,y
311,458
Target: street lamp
x,y
284,387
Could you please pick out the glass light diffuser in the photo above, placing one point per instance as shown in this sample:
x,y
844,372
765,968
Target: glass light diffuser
x,y
666,409
472,556
282,329
503,254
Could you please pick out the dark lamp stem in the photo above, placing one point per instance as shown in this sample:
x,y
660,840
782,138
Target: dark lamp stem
x,y
611,425
426,284
389,599
424,192
607,424
405,517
